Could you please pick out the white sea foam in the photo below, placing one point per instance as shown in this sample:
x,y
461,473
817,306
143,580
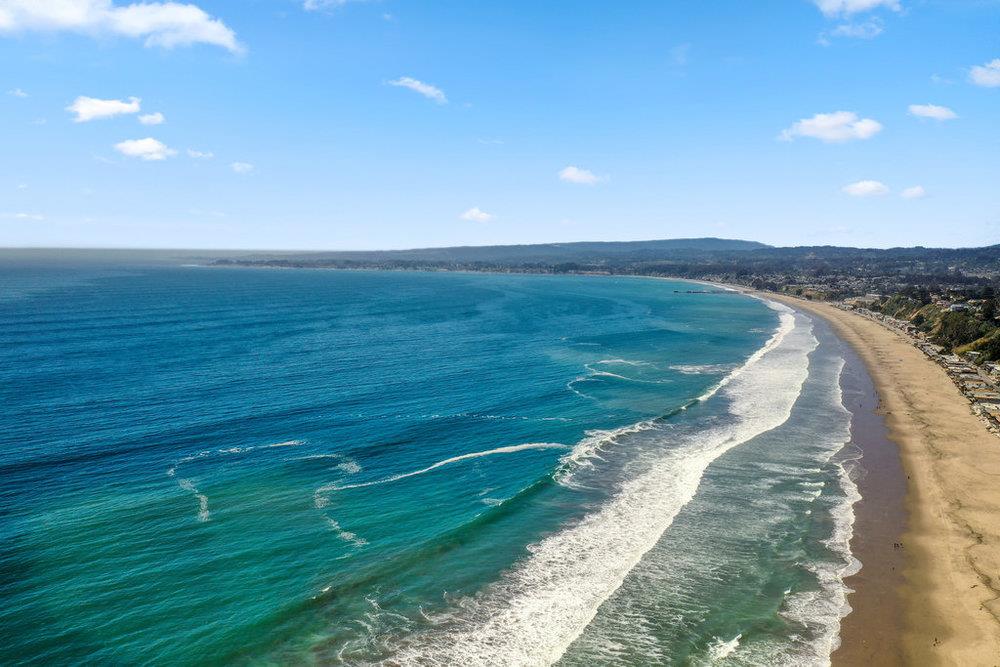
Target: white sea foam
x,y
188,485
511,449
607,374
345,535
721,649
288,443
537,610
570,386
625,362
350,466
347,464
594,373
822,610
702,369
588,450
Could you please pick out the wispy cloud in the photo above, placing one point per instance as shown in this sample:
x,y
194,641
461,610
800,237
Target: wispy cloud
x,y
417,86
932,111
680,55
17,92
316,5
145,149
916,192
241,167
476,214
200,155
834,8
987,76
866,189
91,108
572,174
836,127
869,29
23,216
152,118
162,24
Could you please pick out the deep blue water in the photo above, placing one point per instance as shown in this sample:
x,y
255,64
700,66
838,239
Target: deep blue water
x,y
207,465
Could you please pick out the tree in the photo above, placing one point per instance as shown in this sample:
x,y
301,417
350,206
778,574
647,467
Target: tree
x,y
989,310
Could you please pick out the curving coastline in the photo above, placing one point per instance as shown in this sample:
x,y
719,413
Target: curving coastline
x,y
949,592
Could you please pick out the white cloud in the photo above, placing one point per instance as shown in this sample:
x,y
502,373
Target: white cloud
x,y
91,108
475,214
163,24
316,5
866,189
17,92
200,155
932,111
847,7
425,89
145,149
869,29
151,118
916,192
23,216
580,176
836,127
987,76
241,167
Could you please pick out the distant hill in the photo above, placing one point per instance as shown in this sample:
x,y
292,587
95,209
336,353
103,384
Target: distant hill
x,y
823,271
543,253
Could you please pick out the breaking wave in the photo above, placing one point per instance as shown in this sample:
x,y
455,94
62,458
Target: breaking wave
x,y
539,607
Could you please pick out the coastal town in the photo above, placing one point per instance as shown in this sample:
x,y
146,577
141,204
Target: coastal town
x,y
978,383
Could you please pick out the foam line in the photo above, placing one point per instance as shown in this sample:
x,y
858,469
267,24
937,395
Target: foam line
x,y
623,361
538,608
511,449
188,485
823,610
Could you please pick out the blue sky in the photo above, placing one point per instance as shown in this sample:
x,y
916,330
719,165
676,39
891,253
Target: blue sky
x,y
312,124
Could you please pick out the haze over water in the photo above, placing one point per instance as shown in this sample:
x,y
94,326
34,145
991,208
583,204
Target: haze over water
x,y
227,465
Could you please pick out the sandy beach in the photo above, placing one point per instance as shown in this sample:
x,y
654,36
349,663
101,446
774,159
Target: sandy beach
x,y
949,592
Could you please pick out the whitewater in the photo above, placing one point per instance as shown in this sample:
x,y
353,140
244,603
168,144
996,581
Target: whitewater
x,y
537,610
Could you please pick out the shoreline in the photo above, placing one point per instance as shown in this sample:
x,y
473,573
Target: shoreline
x,y
873,627
948,593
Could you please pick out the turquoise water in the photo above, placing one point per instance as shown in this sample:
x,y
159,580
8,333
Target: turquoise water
x,y
207,466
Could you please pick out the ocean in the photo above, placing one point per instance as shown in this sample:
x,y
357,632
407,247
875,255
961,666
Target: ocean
x,y
237,466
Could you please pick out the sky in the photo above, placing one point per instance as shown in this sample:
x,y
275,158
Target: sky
x,y
365,124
